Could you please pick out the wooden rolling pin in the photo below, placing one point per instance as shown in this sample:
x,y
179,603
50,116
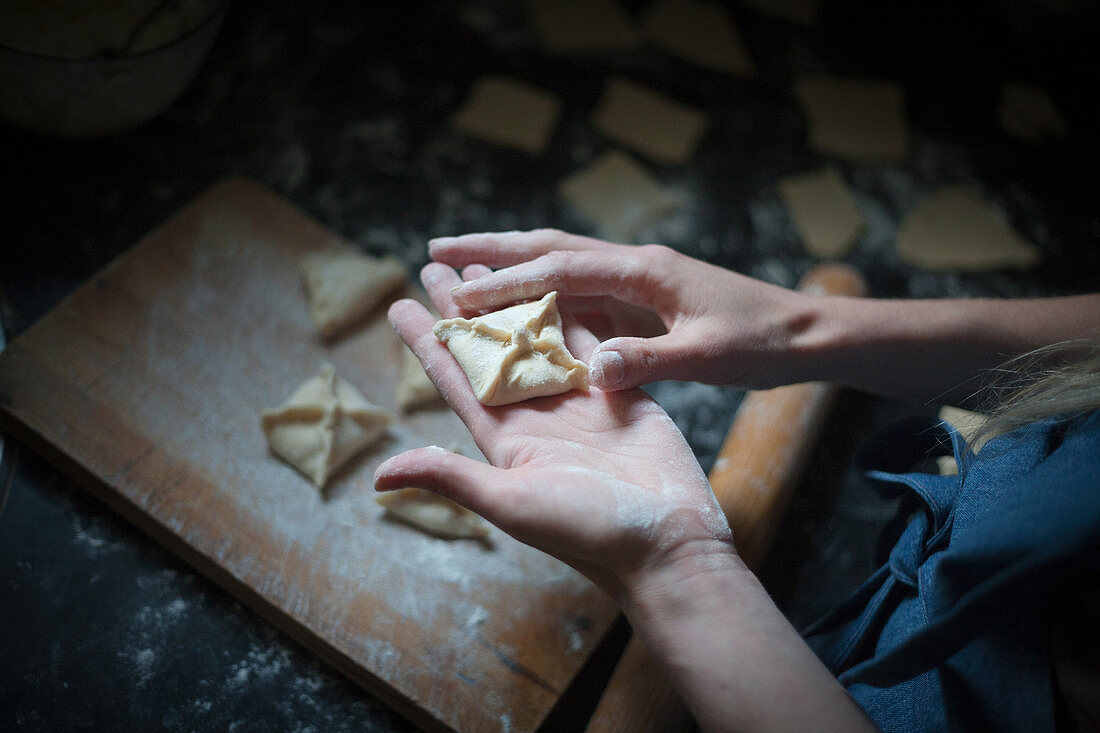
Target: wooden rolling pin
x,y
753,477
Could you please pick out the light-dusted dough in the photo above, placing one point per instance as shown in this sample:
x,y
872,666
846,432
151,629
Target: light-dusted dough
x,y
651,123
968,423
618,195
509,113
343,285
857,119
514,354
1028,112
700,32
825,212
579,26
323,424
414,387
953,230
433,514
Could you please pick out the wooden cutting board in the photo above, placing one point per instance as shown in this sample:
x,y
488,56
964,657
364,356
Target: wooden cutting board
x,y
146,385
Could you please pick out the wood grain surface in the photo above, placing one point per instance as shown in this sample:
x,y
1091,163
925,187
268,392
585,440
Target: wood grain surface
x,y
754,477
146,385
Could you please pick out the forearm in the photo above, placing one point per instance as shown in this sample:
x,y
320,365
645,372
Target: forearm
x,y
731,654
933,350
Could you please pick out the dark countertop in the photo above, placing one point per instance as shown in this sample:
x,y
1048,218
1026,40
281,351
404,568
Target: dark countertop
x,y
342,107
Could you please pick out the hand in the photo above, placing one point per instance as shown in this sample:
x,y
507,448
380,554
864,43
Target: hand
x,y
602,480
667,316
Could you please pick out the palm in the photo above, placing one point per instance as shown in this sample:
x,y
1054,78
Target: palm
x,y
588,474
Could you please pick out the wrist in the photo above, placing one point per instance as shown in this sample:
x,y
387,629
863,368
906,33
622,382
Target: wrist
x,y
684,582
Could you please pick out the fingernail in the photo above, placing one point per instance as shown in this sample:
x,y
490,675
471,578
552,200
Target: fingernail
x,y
440,242
607,369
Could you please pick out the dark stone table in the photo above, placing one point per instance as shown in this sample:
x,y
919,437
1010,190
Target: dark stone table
x,y
342,107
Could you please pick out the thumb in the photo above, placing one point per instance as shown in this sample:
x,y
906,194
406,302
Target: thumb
x,y
451,475
625,362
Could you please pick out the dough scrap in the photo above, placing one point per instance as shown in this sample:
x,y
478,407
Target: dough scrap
x,y
700,32
618,195
953,230
825,212
414,387
1028,113
509,113
651,123
803,12
578,26
514,354
966,422
433,514
343,285
322,425
857,119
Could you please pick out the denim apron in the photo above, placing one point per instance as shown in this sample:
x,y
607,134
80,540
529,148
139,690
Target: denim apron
x,y
952,632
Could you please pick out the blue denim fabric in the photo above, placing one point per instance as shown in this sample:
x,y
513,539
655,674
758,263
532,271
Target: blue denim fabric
x,y
952,632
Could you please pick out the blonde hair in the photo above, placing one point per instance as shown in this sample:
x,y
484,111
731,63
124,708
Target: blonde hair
x,y
1058,380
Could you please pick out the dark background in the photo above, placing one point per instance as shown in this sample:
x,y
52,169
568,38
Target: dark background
x,y
342,107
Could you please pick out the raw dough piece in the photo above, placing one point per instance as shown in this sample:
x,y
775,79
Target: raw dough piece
x,y
509,113
344,285
700,32
514,354
858,119
433,513
617,193
414,388
323,424
824,210
1027,112
578,26
953,230
803,12
966,422
651,123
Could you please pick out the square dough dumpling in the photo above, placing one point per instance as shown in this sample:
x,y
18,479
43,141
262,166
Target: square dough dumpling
x,y
323,425
433,514
514,354
343,285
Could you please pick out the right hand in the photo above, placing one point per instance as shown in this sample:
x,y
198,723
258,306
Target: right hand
x,y
664,315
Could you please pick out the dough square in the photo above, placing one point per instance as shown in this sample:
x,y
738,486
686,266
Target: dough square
x,y
414,387
578,26
514,354
1028,113
434,514
700,32
618,195
343,285
824,210
509,113
322,425
653,124
803,12
857,119
952,230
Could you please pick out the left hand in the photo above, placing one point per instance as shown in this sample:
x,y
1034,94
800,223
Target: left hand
x,y
601,480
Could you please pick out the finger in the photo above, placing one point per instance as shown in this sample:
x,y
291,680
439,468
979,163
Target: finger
x,y
624,362
438,280
473,272
569,273
471,483
578,339
413,324
503,249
